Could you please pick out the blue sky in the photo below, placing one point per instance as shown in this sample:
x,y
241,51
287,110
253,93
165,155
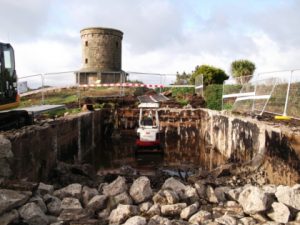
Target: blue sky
x,y
163,36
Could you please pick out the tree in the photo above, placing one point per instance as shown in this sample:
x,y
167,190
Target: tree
x,y
211,75
242,70
182,79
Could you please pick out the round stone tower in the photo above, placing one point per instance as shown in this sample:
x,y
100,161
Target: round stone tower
x,y
101,49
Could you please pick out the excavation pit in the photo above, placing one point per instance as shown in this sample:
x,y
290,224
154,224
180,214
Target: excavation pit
x,y
192,139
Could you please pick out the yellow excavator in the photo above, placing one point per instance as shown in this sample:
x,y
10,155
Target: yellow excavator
x,y
9,97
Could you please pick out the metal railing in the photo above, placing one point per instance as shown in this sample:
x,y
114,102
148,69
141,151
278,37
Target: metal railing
x,y
65,87
199,86
275,92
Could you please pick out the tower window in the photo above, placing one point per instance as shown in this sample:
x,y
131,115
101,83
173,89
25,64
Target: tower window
x,y
86,61
86,43
117,44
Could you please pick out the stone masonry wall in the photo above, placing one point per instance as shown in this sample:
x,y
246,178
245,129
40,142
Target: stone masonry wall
x,y
101,49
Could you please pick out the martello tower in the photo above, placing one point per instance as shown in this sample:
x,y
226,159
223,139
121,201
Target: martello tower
x,y
101,55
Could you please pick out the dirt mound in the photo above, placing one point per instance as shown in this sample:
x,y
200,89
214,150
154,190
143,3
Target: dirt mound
x,y
197,101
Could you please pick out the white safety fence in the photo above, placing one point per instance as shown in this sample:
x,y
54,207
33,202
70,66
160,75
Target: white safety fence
x,y
276,93
199,87
70,86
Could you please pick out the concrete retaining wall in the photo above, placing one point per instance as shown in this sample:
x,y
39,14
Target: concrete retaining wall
x,y
36,149
240,139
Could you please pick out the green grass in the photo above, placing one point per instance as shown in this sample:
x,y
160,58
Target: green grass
x,y
61,99
60,112
182,102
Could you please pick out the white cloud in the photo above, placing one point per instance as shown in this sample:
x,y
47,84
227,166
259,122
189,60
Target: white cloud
x,y
163,36
46,56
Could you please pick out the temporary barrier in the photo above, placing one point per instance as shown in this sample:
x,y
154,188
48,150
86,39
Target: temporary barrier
x,y
271,92
124,85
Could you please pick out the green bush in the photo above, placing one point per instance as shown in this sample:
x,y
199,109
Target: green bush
x,y
213,96
232,88
211,75
182,92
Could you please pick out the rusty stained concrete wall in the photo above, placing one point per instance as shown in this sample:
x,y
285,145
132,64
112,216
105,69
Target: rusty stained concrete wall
x,y
242,139
236,138
36,149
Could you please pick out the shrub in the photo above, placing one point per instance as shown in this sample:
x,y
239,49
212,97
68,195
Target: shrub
x,y
211,75
213,96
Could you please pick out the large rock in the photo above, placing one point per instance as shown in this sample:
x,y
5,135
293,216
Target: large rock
x,y
154,210
253,200
145,206
45,189
190,194
289,196
103,215
200,217
141,190
211,196
86,222
58,223
75,214
175,185
221,192
210,222
271,223
226,220
171,196
269,188
87,194
201,189
235,211
172,210
122,198
97,203
247,221
179,222
33,215
53,205
188,211
234,194
136,220
116,187
52,219
158,220
70,203
260,217
10,199
297,218
122,213
72,190
160,198
10,217
39,201
279,213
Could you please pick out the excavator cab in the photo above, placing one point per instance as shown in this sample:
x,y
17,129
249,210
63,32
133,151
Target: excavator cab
x,y
9,97
14,118
8,78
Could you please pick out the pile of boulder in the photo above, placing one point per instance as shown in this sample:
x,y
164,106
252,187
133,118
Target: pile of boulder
x,y
137,203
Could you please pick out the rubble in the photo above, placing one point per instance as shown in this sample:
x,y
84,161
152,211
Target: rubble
x,y
135,202
140,190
